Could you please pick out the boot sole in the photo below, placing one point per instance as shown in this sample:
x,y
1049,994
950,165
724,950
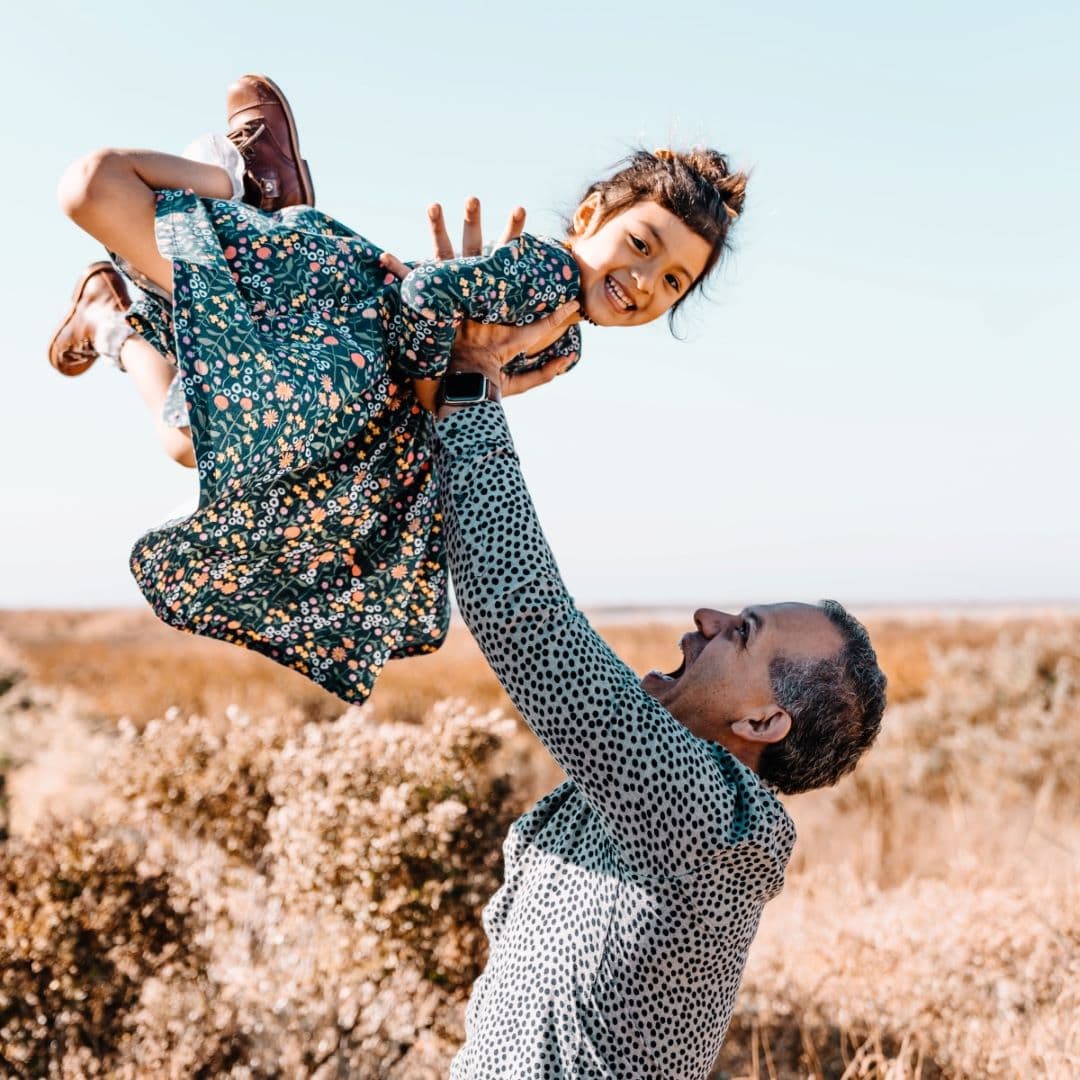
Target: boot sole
x,y
55,355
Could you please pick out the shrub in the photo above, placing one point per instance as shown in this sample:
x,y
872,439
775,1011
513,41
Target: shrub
x,y
206,776
85,921
397,826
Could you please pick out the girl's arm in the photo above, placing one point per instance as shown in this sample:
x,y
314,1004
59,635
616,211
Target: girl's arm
x,y
516,284
111,194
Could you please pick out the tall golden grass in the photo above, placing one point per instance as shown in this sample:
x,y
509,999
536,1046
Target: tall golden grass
x,y
214,869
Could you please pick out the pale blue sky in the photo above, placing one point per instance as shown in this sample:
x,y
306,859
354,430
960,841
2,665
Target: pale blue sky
x,y
879,403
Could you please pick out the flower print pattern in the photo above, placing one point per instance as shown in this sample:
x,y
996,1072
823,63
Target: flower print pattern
x,y
516,283
317,539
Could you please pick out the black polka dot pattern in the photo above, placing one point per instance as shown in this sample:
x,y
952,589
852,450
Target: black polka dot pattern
x,y
632,892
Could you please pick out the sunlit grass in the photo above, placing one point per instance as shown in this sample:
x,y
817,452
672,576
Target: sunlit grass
x,y
265,884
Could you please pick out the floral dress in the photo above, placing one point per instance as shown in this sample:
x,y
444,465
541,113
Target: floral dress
x,y
317,539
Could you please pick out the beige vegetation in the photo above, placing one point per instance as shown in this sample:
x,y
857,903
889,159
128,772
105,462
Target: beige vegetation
x,y
210,868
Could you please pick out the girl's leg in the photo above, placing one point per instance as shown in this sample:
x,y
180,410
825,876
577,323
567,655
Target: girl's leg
x,y
110,194
153,375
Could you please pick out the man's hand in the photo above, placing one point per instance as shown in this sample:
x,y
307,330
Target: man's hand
x,y
486,347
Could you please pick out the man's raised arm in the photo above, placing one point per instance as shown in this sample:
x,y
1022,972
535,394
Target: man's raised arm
x,y
669,800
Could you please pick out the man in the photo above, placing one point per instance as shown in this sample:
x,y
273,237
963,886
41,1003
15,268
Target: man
x,y
632,892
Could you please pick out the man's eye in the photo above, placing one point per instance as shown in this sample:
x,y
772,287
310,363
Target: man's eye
x,y
744,631
639,244
674,282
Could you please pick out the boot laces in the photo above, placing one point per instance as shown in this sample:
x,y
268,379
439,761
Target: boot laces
x,y
246,134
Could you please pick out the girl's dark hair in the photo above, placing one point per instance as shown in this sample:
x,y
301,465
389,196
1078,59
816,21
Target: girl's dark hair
x,y
697,186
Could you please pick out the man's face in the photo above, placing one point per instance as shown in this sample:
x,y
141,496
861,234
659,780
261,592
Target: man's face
x,y
722,691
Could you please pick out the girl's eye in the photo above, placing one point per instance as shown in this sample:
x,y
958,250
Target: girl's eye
x,y
744,631
673,281
639,244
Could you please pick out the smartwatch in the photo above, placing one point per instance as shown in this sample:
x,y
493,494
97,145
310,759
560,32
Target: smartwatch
x,y
465,388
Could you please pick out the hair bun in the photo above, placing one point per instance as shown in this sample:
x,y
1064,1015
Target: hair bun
x,y
713,168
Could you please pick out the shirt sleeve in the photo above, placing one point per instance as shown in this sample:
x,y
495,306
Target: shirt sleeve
x,y
671,802
515,284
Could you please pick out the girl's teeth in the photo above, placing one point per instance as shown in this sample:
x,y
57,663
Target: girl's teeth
x,y
617,293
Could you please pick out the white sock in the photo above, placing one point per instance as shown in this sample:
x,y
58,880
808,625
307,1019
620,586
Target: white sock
x,y
218,150
111,333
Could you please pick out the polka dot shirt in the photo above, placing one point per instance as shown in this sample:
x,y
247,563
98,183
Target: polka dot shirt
x,y
632,891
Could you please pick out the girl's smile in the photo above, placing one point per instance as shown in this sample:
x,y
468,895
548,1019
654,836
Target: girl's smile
x,y
635,264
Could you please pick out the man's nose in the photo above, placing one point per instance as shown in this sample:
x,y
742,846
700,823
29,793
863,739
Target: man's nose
x,y
711,622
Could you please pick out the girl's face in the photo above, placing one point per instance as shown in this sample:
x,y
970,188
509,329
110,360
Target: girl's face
x,y
636,264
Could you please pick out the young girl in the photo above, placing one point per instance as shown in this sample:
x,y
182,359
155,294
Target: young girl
x,y
317,537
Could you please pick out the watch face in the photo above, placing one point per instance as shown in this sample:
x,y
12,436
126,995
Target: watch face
x,y
464,387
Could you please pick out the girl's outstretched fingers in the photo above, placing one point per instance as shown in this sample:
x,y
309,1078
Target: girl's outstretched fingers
x,y
472,233
515,225
440,238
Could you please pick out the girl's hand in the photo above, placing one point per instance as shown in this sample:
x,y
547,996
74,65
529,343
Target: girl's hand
x,y
472,238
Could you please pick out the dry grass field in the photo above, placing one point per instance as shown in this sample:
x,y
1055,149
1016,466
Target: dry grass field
x,y
210,868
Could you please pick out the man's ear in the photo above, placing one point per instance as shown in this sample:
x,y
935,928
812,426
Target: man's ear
x,y
770,725
585,213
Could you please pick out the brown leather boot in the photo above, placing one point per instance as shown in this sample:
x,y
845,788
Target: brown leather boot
x,y
262,127
99,292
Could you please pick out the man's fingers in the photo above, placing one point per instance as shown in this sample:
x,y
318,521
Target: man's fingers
x,y
472,240
393,264
440,238
548,330
526,380
514,225
566,314
489,343
506,342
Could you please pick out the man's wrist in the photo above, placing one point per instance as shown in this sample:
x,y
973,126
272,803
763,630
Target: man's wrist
x,y
443,411
464,386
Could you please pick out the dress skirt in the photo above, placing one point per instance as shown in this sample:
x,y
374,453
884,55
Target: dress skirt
x,y
317,539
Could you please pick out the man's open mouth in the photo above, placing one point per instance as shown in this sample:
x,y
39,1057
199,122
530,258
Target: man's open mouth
x,y
617,296
672,676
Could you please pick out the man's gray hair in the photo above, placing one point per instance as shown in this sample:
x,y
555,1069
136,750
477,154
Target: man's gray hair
x,y
835,707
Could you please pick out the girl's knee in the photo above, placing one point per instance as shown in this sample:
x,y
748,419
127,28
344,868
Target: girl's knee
x,y
86,179
178,445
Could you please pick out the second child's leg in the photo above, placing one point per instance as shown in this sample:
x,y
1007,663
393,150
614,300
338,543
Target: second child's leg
x,y
111,195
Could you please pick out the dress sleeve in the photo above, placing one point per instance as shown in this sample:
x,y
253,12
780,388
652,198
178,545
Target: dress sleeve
x,y
671,802
569,345
515,284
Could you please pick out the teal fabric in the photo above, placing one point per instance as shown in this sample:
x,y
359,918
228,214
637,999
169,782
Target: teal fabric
x,y
317,538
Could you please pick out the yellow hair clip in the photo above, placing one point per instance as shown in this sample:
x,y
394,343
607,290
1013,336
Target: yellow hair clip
x,y
664,155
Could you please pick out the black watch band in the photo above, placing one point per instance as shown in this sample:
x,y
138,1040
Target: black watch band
x,y
465,388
